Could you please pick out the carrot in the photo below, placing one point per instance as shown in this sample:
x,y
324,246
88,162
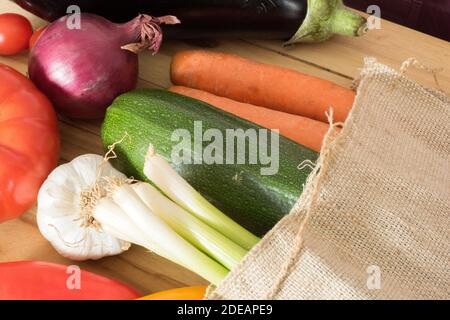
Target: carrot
x,y
187,293
304,131
261,84
35,37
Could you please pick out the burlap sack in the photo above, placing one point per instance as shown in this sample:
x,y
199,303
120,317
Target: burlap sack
x,y
374,219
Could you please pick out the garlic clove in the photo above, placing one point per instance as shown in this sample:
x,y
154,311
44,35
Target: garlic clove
x,y
61,219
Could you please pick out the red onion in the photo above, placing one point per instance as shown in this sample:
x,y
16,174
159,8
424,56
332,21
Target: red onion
x,y
83,70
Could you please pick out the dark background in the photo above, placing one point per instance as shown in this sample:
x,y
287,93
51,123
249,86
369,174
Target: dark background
x,y
428,16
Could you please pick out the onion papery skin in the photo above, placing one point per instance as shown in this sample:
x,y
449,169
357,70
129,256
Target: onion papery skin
x,y
83,70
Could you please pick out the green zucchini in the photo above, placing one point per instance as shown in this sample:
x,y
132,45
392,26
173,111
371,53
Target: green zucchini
x,y
254,200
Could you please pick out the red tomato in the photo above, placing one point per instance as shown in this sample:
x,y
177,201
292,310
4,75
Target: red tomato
x,y
29,142
31,280
15,33
34,38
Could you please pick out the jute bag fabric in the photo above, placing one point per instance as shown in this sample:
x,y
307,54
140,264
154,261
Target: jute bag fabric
x,y
373,221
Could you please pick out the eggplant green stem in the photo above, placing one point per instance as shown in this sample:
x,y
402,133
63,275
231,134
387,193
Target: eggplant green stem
x,y
327,17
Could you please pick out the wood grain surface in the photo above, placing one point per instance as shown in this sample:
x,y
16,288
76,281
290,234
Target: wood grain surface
x,y
337,60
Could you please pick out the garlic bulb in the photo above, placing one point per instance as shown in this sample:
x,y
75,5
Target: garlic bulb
x,y
88,210
65,202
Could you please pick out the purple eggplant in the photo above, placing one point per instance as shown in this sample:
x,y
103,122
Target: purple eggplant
x,y
291,20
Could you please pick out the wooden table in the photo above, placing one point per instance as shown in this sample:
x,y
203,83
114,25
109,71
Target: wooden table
x,y
337,60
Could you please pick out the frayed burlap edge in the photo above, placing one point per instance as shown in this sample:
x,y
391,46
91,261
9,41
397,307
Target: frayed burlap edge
x,y
304,207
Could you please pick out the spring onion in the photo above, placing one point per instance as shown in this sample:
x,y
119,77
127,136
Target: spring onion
x,y
189,227
159,171
156,235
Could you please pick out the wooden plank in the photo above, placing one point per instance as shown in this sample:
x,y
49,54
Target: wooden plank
x,y
142,270
337,60
155,68
392,45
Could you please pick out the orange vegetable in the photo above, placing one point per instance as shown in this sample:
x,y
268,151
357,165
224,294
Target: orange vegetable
x,y
265,85
188,293
34,38
305,131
